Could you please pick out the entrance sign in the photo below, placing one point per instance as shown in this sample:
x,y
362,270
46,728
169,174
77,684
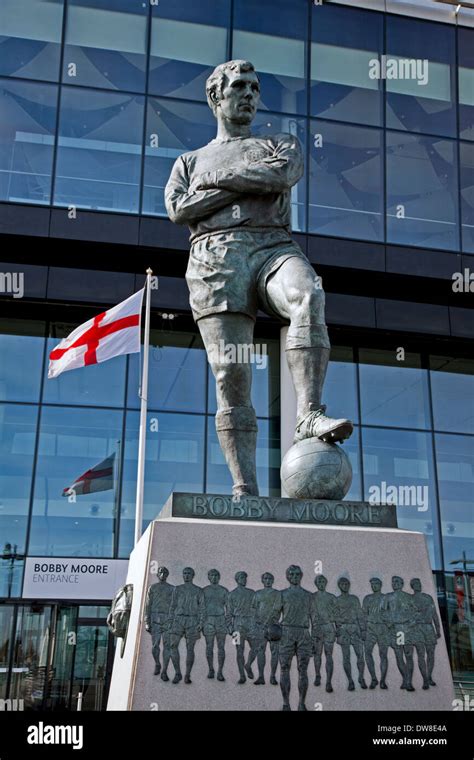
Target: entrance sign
x,y
73,577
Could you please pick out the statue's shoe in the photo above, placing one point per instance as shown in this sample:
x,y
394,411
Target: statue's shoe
x,y
315,424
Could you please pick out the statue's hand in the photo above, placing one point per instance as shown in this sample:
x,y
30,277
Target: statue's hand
x,y
206,181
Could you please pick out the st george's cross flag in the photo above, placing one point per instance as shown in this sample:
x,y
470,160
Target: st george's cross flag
x,y
98,478
112,333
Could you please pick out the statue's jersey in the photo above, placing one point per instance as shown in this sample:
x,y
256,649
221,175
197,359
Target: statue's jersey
x,y
256,173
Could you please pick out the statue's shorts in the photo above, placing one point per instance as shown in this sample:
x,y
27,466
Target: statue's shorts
x,y
187,626
215,625
408,631
243,625
258,639
228,271
377,633
324,632
159,625
348,634
295,640
428,633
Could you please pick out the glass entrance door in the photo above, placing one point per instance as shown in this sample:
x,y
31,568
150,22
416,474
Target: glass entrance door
x,y
90,667
61,658
30,672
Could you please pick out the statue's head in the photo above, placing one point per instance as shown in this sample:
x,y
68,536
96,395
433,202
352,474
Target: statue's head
x,y
344,584
397,583
321,582
375,583
268,580
162,573
241,578
233,91
188,574
214,576
294,575
415,583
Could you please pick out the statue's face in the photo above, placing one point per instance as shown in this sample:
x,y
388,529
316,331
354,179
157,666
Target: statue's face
x,y
213,576
376,584
162,573
188,574
294,576
397,583
416,584
321,582
267,580
242,579
344,585
240,97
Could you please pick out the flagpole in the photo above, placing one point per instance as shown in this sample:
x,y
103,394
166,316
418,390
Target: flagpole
x,y
143,415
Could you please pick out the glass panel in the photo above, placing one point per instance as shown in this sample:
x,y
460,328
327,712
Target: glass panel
x,y
172,128
30,38
393,392
455,466
340,386
459,587
452,389
99,150
30,660
88,611
174,462
420,76
90,667
345,44
219,480
21,349
78,450
272,35
11,570
106,44
17,446
398,468
466,157
422,198
265,380
346,181
60,676
26,141
188,40
177,373
6,642
466,82
98,385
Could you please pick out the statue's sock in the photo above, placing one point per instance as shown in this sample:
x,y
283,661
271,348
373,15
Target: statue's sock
x,y
308,369
237,432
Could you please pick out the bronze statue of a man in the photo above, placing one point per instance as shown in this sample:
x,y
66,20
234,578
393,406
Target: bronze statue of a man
x,y
234,194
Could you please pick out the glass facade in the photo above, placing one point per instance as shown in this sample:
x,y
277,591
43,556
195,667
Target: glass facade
x,y
100,102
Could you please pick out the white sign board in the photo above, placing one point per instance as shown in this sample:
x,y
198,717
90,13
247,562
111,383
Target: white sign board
x,y
73,578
